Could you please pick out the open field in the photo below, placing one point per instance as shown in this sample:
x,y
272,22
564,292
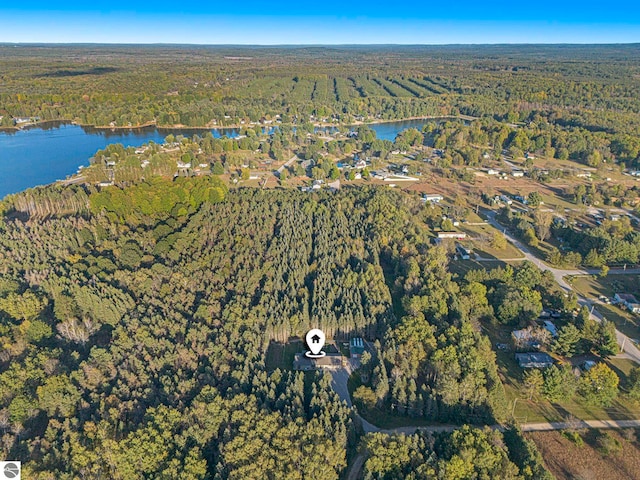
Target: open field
x,y
482,245
593,460
461,267
627,323
590,287
281,355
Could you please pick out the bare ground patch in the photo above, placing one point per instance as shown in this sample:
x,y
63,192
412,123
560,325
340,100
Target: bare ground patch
x,y
568,461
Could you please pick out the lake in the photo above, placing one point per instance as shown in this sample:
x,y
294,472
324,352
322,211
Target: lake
x,y
50,152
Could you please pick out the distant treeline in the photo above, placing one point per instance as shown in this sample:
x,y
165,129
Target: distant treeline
x,y
574,89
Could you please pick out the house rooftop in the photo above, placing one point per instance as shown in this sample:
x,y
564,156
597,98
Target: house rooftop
x,y
534,360
627,297
330,360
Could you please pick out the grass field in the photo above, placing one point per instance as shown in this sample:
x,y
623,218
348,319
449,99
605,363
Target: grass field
x,y
604,454
280,355
590,287
482,246
622,366
461,267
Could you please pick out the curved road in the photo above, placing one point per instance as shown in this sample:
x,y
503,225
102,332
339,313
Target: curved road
x,y
287,163
628,347
339,383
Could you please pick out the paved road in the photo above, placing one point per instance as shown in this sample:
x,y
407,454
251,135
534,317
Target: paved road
x,y
559,275
73,180
543,427
526,427
356,466
339,384
288,163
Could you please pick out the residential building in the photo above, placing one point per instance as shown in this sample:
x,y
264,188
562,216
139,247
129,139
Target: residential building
x,y
456,235
551,328
331,361
629,301
360,164
433,197
534,360
464,253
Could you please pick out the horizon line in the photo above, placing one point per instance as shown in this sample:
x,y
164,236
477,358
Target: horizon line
x,y
150,44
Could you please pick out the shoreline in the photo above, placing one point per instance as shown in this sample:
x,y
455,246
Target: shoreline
x,y
150,124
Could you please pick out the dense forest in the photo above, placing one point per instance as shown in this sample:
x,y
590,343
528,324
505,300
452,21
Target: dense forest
x,y
139,305
134,340
465,453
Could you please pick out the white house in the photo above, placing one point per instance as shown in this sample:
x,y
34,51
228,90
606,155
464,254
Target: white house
x,y
456,235
360,164
433,197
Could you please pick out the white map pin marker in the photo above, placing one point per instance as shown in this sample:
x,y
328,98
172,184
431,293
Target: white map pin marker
x,y
315,340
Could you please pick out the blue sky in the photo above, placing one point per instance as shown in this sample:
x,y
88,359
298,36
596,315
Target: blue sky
x,y
321,22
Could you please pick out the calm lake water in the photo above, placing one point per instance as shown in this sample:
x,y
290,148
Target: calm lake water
x,y
44,154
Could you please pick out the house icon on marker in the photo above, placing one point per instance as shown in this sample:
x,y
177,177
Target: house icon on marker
x,y
315,340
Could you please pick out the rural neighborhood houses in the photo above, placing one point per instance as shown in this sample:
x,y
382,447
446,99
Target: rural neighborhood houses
x,y
629,301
